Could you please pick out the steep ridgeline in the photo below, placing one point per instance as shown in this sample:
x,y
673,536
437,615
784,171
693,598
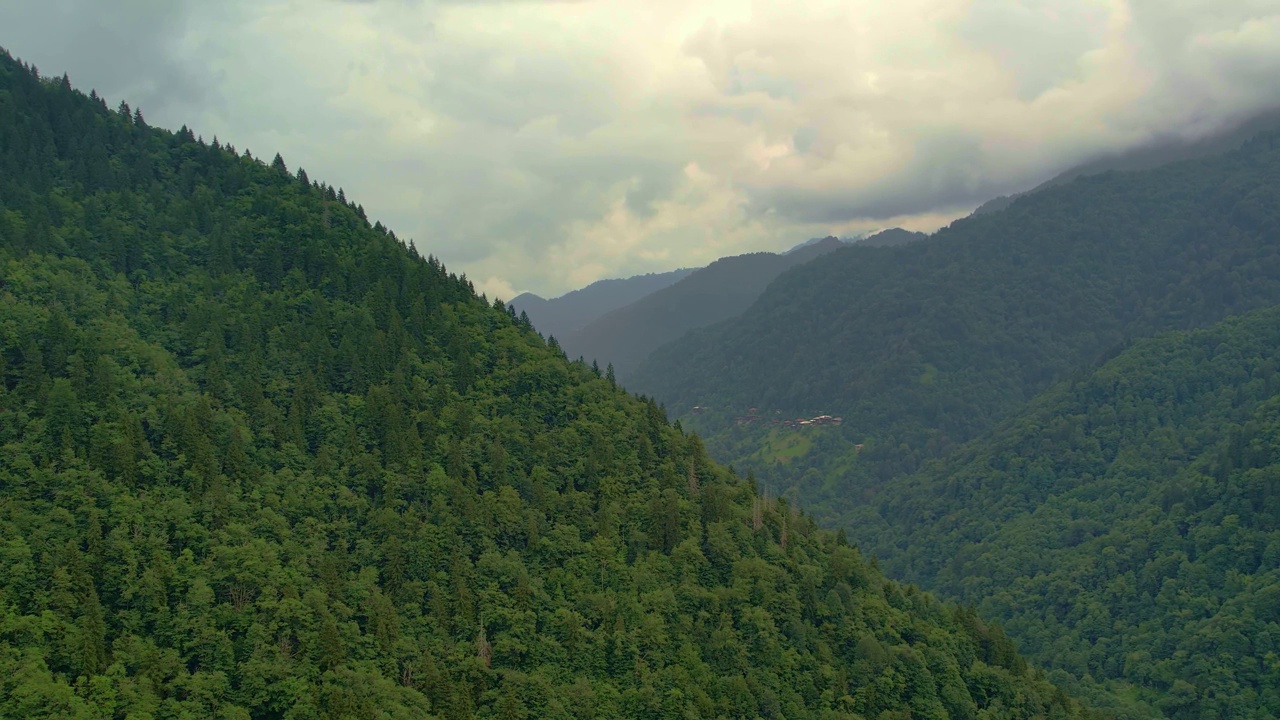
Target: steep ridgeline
x,y
574,310
1126,526
720,291
262,461
924,345
891,237
1160,151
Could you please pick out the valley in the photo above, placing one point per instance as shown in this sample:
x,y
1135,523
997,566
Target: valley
x,y
1027,401
262,460
1000,440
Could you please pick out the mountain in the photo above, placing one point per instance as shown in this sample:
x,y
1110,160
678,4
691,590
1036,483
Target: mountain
x,y
924,345
709,295
814,241
999,203
574,310
891,237
1125,526
1159,151
260,460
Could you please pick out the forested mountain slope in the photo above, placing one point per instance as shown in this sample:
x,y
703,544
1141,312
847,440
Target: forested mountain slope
x,y
574,310
1160,151
722,290
891,237
1126,526
258,460
921,346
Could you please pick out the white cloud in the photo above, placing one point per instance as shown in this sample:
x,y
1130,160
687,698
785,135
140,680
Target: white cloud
x,y
543,145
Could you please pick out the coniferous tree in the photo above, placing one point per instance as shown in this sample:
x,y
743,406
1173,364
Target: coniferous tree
x,y
262,461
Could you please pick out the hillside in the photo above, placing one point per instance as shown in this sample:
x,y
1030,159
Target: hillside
x,y
922,346
574,310
262,461
1126,526
720,291
891,237
1160,151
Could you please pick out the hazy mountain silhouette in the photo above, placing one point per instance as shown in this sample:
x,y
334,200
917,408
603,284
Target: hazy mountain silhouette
x,y
1160,151
720,291
574,310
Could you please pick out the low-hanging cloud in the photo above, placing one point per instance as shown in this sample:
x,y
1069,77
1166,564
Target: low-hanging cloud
x,y
543,144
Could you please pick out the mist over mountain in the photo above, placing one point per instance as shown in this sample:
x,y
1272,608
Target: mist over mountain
x,y
1057,516
1160,151
921,346
941,337
261,460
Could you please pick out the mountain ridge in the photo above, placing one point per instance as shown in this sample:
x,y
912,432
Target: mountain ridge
x,y
1150,156
263,461
568,313
1128,496
723,289
993,308
928,352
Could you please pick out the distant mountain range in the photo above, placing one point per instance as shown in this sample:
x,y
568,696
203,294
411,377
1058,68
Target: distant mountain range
x,y
620,321
720,291
957,330
574,310
1122,519
257,469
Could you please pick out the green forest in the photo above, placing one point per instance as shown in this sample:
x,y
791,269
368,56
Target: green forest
x,y
262,460
922,346
1064,413
1126,526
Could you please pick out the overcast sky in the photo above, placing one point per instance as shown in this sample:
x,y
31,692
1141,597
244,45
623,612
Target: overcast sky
x,y
541,145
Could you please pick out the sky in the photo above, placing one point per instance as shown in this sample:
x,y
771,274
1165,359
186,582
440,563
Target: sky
x,y
540,145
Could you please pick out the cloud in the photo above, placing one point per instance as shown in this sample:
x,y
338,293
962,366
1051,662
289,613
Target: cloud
x,y
126,49
543,144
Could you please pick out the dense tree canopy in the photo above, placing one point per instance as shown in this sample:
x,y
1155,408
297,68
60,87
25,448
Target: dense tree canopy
x,y
1123,525
1126,526
259,460
922,346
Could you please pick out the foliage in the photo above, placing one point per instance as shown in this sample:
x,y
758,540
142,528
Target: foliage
x,y
1126,526
782,446
259,460
924,346
1123,525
